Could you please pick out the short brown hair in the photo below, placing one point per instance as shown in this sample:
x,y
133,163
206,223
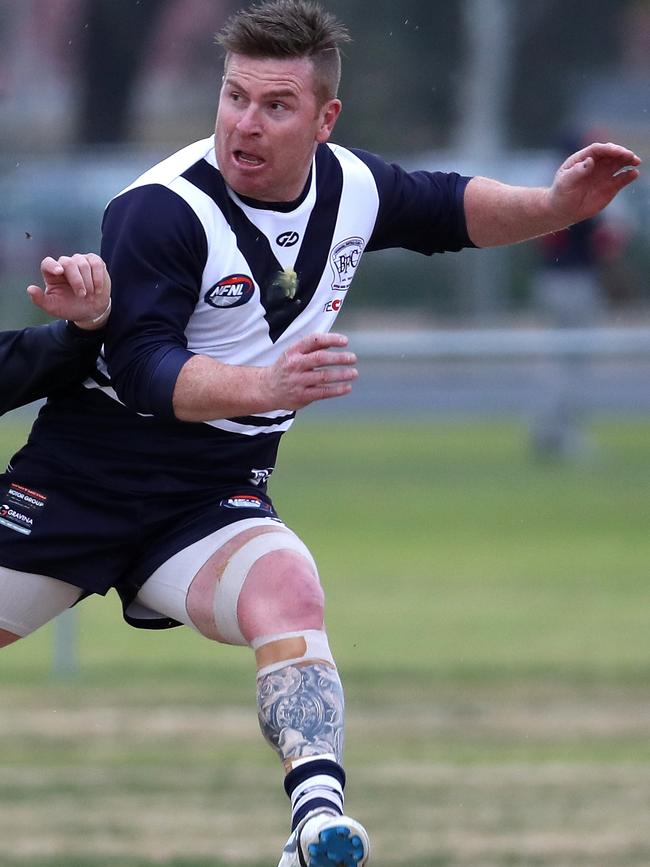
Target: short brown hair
x,y
290,28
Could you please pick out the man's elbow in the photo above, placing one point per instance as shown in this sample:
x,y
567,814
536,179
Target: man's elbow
x,y
147,387
143,393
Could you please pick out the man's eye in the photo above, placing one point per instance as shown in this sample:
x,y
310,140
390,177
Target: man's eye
x,y
277,106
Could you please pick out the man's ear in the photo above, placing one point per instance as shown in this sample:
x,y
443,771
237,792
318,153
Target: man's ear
x,y
328,116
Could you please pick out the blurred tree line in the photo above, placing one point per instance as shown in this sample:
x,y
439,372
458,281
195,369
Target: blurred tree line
x,y
402,73
474,80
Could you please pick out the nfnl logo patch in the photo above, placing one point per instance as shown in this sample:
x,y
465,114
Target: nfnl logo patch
x,y
232,291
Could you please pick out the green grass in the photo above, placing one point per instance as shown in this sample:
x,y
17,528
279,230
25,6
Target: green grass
x,y
490,618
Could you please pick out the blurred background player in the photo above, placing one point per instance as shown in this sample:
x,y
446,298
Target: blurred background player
x,y
576,281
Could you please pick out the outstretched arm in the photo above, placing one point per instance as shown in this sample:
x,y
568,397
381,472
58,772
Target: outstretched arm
x,y
37,361
585,183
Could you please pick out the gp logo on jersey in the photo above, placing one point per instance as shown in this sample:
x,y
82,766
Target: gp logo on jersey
x,y
344,259
232,291
287,239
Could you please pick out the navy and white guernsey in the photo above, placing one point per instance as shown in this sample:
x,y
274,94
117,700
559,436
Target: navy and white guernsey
x,y
195,270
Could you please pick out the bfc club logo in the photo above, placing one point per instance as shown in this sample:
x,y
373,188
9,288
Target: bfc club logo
x,y
232,291
344,260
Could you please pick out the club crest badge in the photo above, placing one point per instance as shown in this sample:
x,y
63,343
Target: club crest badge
x,y
344,259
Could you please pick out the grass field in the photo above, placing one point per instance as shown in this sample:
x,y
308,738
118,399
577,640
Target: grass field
x,y
490,616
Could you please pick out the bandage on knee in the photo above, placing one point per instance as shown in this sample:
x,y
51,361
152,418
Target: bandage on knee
x,y
273,652
236,571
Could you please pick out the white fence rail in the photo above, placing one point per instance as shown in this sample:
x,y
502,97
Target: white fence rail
x,y
502,343
512,386
498,371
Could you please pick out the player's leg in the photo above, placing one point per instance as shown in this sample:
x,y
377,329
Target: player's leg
x,y
301,705
260,587
28,601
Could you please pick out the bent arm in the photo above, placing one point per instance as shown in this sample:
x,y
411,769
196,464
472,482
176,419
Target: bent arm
x,y
156,252
206,389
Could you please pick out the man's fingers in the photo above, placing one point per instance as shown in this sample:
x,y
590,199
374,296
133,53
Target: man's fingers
x,y
320,350
314,368
325,392
606,154
620,154
84,273
36,294
326,358
77,273
97,272
626,174
315,342
51,268
609,150
330,375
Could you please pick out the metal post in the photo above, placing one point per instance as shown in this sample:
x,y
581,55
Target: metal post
x,y
65,650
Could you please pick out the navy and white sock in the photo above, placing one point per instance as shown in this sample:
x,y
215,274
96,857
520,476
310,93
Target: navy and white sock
x,y
314,784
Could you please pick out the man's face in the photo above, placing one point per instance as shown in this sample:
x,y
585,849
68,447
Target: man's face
x,y
268,125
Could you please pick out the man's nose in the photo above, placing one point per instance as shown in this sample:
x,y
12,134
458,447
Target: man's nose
x,y
249,121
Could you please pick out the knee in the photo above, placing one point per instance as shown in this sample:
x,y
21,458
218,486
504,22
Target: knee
x,y
259,583
282,593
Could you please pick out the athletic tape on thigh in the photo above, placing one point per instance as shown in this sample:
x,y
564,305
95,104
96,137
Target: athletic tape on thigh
x,y
239,565
28,601
165,591
273,652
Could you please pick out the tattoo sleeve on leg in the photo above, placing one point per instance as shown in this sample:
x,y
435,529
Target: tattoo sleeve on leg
x,y
301,711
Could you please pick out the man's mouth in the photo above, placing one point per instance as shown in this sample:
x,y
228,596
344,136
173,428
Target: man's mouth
x,y
246,159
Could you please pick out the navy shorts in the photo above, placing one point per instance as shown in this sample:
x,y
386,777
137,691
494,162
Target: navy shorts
x,y
55,523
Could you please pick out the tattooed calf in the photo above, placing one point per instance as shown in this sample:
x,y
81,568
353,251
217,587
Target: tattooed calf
x,y
301,710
